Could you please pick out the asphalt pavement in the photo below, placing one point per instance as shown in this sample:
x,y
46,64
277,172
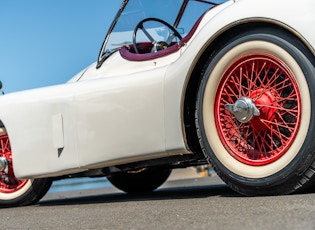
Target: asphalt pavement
x,y
181,203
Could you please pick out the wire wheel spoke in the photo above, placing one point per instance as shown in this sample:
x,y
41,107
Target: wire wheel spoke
x,y
272,88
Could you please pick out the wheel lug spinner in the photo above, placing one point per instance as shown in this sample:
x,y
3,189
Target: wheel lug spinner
x,y
244,109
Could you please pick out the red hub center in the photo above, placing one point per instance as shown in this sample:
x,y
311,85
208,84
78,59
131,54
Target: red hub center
x,y
265,102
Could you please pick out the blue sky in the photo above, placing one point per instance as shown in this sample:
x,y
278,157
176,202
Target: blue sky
x,y
47,42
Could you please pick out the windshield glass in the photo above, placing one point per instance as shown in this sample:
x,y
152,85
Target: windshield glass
x,y
182,14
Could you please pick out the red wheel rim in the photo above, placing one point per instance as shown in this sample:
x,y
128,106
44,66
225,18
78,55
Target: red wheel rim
x,y
272,88
8,182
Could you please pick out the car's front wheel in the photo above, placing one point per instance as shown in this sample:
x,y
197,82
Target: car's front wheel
x,y
255,113
13,191
140,181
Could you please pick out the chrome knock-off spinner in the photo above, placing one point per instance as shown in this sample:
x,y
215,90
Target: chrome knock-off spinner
x,y
244,109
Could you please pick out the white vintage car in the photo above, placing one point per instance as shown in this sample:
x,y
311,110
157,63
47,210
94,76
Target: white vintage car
x,y
177,83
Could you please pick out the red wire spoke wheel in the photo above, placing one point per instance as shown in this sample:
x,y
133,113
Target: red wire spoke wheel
x,y
255,112
269,86
8,182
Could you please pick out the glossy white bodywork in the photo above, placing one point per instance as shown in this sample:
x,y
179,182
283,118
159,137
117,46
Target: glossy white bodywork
x,y
126,111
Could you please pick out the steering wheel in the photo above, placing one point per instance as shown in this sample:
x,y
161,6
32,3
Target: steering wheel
x,y
157,45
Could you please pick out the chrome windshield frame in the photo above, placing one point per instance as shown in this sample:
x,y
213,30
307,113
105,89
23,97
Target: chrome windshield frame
x,y
102,56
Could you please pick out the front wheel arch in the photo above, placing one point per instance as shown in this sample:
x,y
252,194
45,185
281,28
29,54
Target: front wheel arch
x,y
217,43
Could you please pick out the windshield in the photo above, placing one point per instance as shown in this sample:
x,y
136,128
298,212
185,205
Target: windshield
x,y
181,14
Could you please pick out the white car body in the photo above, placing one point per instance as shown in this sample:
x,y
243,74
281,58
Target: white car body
x,y
177,83
109,116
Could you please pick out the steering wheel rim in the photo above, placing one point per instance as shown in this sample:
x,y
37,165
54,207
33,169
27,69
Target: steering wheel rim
x,y
140,26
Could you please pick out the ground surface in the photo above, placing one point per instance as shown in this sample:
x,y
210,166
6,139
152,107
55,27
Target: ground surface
x,y
194,203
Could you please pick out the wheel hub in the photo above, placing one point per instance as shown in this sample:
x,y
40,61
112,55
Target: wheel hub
x,y
267,107
4,165
244,109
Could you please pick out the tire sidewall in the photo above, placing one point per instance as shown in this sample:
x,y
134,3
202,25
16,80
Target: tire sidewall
x,y
17,194
299,156
30,193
